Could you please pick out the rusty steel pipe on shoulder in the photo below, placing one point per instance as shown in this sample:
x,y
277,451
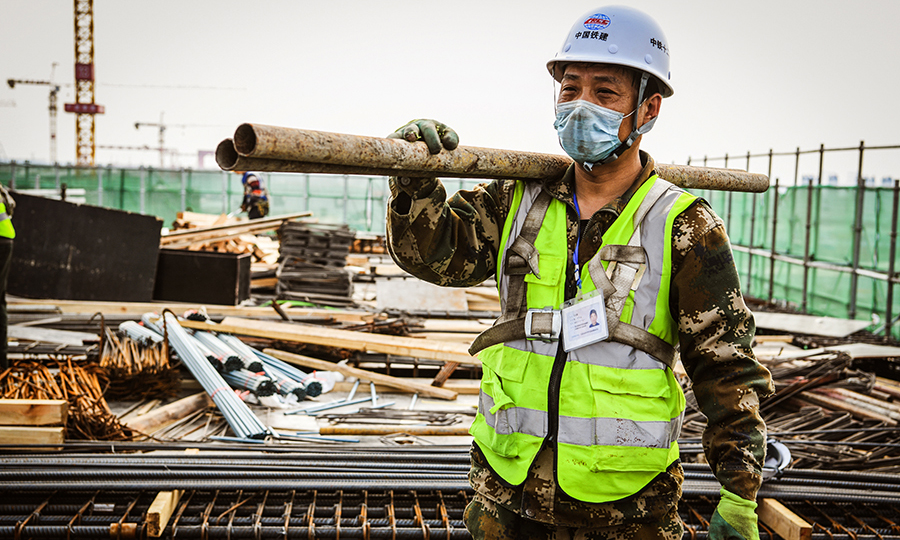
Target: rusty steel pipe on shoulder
x,y
257,147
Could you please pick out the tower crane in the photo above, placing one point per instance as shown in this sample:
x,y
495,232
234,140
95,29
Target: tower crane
x,y
162,126
84,105
54,91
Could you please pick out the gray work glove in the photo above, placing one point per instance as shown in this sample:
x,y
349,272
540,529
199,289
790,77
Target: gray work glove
x,y
434,133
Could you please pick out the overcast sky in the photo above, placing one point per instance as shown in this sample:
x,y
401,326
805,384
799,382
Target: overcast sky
x,y
747,75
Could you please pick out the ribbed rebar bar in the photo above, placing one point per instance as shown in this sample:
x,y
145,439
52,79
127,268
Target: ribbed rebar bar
x,y
239,417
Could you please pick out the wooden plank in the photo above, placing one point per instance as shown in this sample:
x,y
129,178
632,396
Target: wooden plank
x,y
781,338
377,378
32,435
64,337
33,412
256,223
462,430
785,523
139,308
161,510
808,324
468,387
170,413
841,405
345,339
866,350
444,374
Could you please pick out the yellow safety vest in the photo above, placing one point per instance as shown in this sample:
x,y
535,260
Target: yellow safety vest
x,y
620,408
6,226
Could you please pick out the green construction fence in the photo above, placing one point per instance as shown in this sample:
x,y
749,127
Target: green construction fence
x,y
817,280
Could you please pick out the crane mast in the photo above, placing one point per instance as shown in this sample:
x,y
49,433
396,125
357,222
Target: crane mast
x,y
84,107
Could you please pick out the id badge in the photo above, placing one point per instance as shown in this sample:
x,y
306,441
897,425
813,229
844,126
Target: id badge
x,y
584,321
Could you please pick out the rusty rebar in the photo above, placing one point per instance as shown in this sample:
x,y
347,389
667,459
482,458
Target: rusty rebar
x,y
277,149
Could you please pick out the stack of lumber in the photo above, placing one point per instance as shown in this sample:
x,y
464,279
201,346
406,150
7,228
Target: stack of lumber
x,y
33,421
311,263
200,232
368,243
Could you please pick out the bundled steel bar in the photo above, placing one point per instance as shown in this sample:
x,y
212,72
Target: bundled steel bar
x,y
239,417
284,385
231,359
277,149
214,359
139,333
251,362
283,370
261,385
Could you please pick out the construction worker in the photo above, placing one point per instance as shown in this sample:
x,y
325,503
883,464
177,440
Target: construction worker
x,y
575,437
7,233
256,197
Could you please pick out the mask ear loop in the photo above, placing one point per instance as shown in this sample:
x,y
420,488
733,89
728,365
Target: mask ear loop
x,y
638,130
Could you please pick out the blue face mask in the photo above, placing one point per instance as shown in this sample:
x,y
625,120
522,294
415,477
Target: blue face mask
x,y
588,132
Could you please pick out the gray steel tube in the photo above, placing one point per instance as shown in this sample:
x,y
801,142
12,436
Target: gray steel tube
x,y
277,149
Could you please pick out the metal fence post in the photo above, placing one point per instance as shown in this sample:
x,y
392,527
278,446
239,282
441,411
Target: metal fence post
x,y
306,192
752,226
183,190
99,171
774,236
728,204
56,174
225,209
122,189
37,181
889,308
370,193
346,195
809,218
857,232
143,188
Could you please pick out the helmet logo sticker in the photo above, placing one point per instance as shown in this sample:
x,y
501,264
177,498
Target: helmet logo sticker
x,y
597,21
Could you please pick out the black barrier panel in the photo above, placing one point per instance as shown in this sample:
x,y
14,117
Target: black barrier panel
x,y
70,251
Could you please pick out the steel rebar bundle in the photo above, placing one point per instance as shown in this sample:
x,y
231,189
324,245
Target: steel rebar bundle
x,y
283,370
139,333
251,362
232,359
369,468
261,385
342,511
239,417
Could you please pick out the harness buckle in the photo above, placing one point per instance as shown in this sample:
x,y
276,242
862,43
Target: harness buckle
x,y
543,324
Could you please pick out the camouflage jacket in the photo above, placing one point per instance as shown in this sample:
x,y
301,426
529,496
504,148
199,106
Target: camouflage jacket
x,y
456,243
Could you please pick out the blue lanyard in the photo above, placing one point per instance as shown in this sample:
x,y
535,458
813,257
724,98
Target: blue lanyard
x,y
577,244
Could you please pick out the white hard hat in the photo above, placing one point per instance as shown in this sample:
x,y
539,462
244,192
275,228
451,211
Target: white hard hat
x,y
617,35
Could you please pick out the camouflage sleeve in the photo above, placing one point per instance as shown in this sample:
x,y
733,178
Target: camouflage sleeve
x,y
716,331
453,242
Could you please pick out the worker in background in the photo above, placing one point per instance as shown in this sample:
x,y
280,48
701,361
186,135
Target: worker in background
x,y
256,197
7,233
576,434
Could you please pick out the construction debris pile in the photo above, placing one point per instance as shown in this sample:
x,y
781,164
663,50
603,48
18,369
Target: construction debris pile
x,y
337,401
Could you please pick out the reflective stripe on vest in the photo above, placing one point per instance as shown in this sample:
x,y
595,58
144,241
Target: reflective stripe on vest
x,y
620,409
581,431
6,226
